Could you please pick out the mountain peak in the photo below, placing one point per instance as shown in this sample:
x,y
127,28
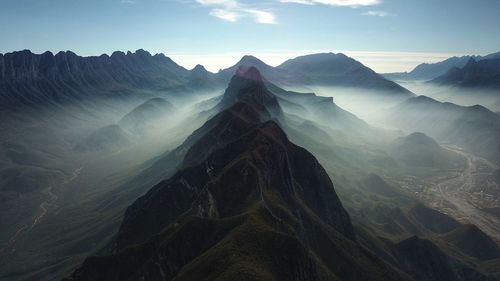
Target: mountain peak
x,y
249,57
470,63
249,73
142,52
116,54
199,68
249,60
247,85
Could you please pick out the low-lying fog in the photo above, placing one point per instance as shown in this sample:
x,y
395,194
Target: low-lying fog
x,y
461,96
63,170
366,104
372,106
76,163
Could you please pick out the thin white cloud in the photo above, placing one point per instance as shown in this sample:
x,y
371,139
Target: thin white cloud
x,y
225,15
342,3
225,3
375,14
262,16
233,11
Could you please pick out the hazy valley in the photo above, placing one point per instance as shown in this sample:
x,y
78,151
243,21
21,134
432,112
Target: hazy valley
x,y
131,167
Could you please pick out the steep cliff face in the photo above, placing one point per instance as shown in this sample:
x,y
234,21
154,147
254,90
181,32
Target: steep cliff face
x,y
246,204
26,67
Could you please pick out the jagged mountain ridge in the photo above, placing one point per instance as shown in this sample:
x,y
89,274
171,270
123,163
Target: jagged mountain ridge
x,y
483,74
222,189
430,71
27,78
427,71
325,69
241,182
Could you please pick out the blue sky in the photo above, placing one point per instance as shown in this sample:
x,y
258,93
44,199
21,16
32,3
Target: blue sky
x,y
388,35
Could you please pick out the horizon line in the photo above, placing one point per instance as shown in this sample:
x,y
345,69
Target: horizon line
x,y
379,61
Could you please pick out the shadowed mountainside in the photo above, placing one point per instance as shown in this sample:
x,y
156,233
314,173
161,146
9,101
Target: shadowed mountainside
x,y
478,74
27,78
330,69
255,195
428,71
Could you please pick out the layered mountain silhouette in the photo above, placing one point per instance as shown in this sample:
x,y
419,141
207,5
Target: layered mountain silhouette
x,y
245,204
326,69
330,69
433,220
200,78
27,78
472,241
481,74
424,243
428,71
425,261
37,79
474,128
239,199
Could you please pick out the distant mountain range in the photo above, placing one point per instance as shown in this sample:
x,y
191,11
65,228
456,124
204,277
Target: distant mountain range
x,y
325,69
246,203
483,73
254,197
429,71
27,78
474,128
247,191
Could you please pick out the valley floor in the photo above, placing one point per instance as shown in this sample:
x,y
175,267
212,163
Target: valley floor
x,y
463,194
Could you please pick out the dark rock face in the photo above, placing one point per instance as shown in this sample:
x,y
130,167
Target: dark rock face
x,y
422,259
433,220
482,74
268,169
248,86
472,241
246,204
235,133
